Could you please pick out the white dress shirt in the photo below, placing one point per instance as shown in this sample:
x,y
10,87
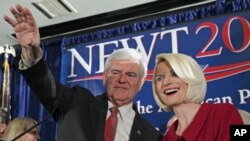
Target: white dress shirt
x,y
125,117
25,64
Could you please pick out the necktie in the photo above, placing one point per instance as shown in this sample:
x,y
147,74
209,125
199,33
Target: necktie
x,y
110,125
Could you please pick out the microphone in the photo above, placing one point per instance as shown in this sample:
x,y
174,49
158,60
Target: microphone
x,y
32,127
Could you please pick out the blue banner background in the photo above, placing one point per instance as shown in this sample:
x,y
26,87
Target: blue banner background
x,y
232,87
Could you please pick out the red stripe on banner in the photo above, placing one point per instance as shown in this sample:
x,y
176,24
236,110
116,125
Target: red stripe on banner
x,y
96,77
228,73
211,73
225,67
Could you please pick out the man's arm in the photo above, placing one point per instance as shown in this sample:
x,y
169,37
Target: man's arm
x,y
38,76
27,34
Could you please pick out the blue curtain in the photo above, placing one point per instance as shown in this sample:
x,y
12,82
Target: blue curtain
x,y
24,103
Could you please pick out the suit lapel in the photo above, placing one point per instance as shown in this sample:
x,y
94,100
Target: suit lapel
x,y
137,128
98,111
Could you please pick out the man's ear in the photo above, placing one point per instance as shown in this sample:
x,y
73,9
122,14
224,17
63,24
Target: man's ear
x,y
142,82
104,76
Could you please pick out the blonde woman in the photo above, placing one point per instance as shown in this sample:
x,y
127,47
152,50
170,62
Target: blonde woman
x,y
20,125
4,119
180,86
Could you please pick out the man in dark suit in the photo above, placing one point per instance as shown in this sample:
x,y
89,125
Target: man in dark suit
x,y
81,116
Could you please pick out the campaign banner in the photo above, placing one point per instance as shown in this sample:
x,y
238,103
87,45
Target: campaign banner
x,y
221,46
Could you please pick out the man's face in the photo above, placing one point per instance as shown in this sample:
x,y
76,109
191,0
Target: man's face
x,y
123,81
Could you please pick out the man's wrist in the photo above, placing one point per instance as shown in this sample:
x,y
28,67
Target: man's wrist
x,y
25,63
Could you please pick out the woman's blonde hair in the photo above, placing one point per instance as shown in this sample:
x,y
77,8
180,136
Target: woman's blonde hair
x,y
187,69
18,126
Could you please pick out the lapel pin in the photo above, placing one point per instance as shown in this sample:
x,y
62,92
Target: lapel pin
x,y
138,132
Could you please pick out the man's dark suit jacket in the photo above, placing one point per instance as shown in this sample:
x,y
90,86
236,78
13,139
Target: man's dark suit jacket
x,y
81,116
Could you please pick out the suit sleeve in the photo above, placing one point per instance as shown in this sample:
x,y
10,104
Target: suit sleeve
x,y
56,97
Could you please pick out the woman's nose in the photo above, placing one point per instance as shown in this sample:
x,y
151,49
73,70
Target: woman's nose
x,y
167,79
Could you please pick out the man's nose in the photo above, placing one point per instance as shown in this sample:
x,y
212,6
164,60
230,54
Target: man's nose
x,y
122,78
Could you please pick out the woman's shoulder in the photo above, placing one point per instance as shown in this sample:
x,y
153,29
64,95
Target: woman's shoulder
x,y
220,108
220,105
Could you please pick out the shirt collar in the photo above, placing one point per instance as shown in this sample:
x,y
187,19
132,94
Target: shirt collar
x,y
124,111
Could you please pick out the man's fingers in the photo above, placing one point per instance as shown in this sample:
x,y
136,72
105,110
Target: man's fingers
x,y
21,13
29,17
17,14
12,22
18,18
19,8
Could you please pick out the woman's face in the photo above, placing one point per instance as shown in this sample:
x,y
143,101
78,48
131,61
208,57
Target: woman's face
x,y
169,87
30,136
